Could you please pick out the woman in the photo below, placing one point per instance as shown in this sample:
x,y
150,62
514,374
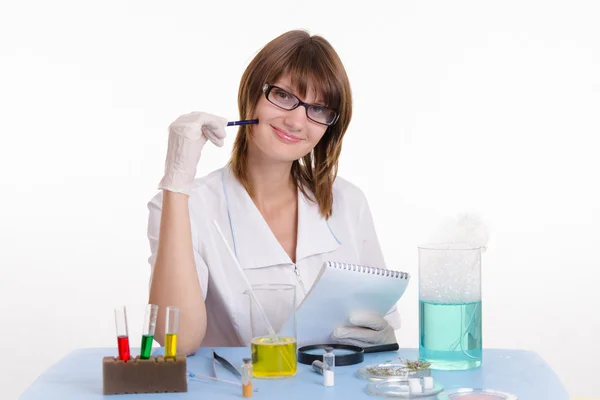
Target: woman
x,y
277,201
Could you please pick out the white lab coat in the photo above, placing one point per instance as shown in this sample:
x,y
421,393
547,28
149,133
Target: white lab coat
x,y
348,236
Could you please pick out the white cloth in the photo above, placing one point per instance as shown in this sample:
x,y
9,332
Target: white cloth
x,y
348,236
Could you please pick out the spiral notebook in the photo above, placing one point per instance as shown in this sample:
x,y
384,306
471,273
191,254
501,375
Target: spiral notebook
x,y
341,290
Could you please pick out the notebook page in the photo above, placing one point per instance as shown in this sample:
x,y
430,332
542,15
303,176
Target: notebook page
x,y
342,290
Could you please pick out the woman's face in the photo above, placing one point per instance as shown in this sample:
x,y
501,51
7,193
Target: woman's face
x,y
284,135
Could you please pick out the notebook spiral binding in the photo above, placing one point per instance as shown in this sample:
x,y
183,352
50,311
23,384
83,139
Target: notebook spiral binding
x,y
368,270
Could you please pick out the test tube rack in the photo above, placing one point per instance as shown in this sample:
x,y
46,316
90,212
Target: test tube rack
x,y
153,375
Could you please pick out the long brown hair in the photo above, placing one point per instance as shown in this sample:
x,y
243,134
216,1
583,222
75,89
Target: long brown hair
x,y
308,60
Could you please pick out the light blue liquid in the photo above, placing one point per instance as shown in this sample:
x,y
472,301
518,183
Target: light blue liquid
x,y
450,335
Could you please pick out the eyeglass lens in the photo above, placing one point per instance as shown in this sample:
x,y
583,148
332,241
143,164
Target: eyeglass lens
x,y
288,101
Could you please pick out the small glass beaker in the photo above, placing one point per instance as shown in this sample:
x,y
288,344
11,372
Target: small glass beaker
x,y
450,318
273,356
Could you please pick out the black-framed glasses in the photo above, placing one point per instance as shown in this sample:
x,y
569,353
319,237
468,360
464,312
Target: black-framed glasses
x,y
284,99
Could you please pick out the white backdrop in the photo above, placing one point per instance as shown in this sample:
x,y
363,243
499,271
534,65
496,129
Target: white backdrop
x,y
462,106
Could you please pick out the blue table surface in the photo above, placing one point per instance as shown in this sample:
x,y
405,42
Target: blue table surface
x,y
79,376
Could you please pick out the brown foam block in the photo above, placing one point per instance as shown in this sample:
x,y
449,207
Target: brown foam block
x,y
154,375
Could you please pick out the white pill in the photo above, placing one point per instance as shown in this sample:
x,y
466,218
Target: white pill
x,y
415,385
428,382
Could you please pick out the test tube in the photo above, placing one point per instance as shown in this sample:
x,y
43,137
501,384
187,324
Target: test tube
x,y
328,366
122,333
247,378
172,324
148,330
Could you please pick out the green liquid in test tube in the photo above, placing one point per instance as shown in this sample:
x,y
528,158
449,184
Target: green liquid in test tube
x,y
148,332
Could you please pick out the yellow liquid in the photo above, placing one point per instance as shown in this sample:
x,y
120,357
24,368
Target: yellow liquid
x,y
170,345
273,359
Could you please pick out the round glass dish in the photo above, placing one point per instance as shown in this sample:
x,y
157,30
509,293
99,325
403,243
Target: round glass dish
x,y
388,371
400,390
476,394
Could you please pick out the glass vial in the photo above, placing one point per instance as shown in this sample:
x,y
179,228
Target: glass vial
x,y
317,366
328,366
247,378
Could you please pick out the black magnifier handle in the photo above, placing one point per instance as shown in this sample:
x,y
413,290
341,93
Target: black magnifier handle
x,y
381,348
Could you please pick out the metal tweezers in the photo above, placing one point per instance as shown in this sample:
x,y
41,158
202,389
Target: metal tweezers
x,y
224,363
227,366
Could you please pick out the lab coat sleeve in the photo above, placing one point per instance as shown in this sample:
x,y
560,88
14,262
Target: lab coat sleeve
x,y
155,207
372,255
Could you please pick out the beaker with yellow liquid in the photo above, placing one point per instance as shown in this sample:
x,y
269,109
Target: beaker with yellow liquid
x,y
273,356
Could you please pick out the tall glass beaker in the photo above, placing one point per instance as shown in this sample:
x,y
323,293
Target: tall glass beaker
x,y
450,318
273,356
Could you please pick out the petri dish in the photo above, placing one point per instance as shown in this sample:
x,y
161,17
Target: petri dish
x,y
390,371
400,390
477,394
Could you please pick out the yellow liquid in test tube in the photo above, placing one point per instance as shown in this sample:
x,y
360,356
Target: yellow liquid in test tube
x,y
273,359
171,329
171,345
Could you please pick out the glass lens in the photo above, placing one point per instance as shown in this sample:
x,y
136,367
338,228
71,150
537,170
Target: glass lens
x,y
282,98
337,352
321,114
288,101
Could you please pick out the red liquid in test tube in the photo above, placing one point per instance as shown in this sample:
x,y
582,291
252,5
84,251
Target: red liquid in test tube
x,y
122,334
123,343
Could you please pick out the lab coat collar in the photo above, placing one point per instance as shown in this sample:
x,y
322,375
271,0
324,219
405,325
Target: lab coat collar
x,y
255,244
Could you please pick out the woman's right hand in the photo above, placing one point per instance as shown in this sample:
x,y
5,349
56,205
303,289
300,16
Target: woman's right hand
x,y
187,136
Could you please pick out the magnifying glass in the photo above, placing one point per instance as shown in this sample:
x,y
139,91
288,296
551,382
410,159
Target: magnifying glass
x,y
344,354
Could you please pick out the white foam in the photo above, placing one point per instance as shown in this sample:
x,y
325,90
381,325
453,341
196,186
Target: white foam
x,y
449,273
450,266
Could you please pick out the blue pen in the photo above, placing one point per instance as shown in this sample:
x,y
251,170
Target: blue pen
x,y
243,122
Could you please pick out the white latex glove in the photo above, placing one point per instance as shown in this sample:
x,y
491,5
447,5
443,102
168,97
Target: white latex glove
x,y
187,136
367,330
